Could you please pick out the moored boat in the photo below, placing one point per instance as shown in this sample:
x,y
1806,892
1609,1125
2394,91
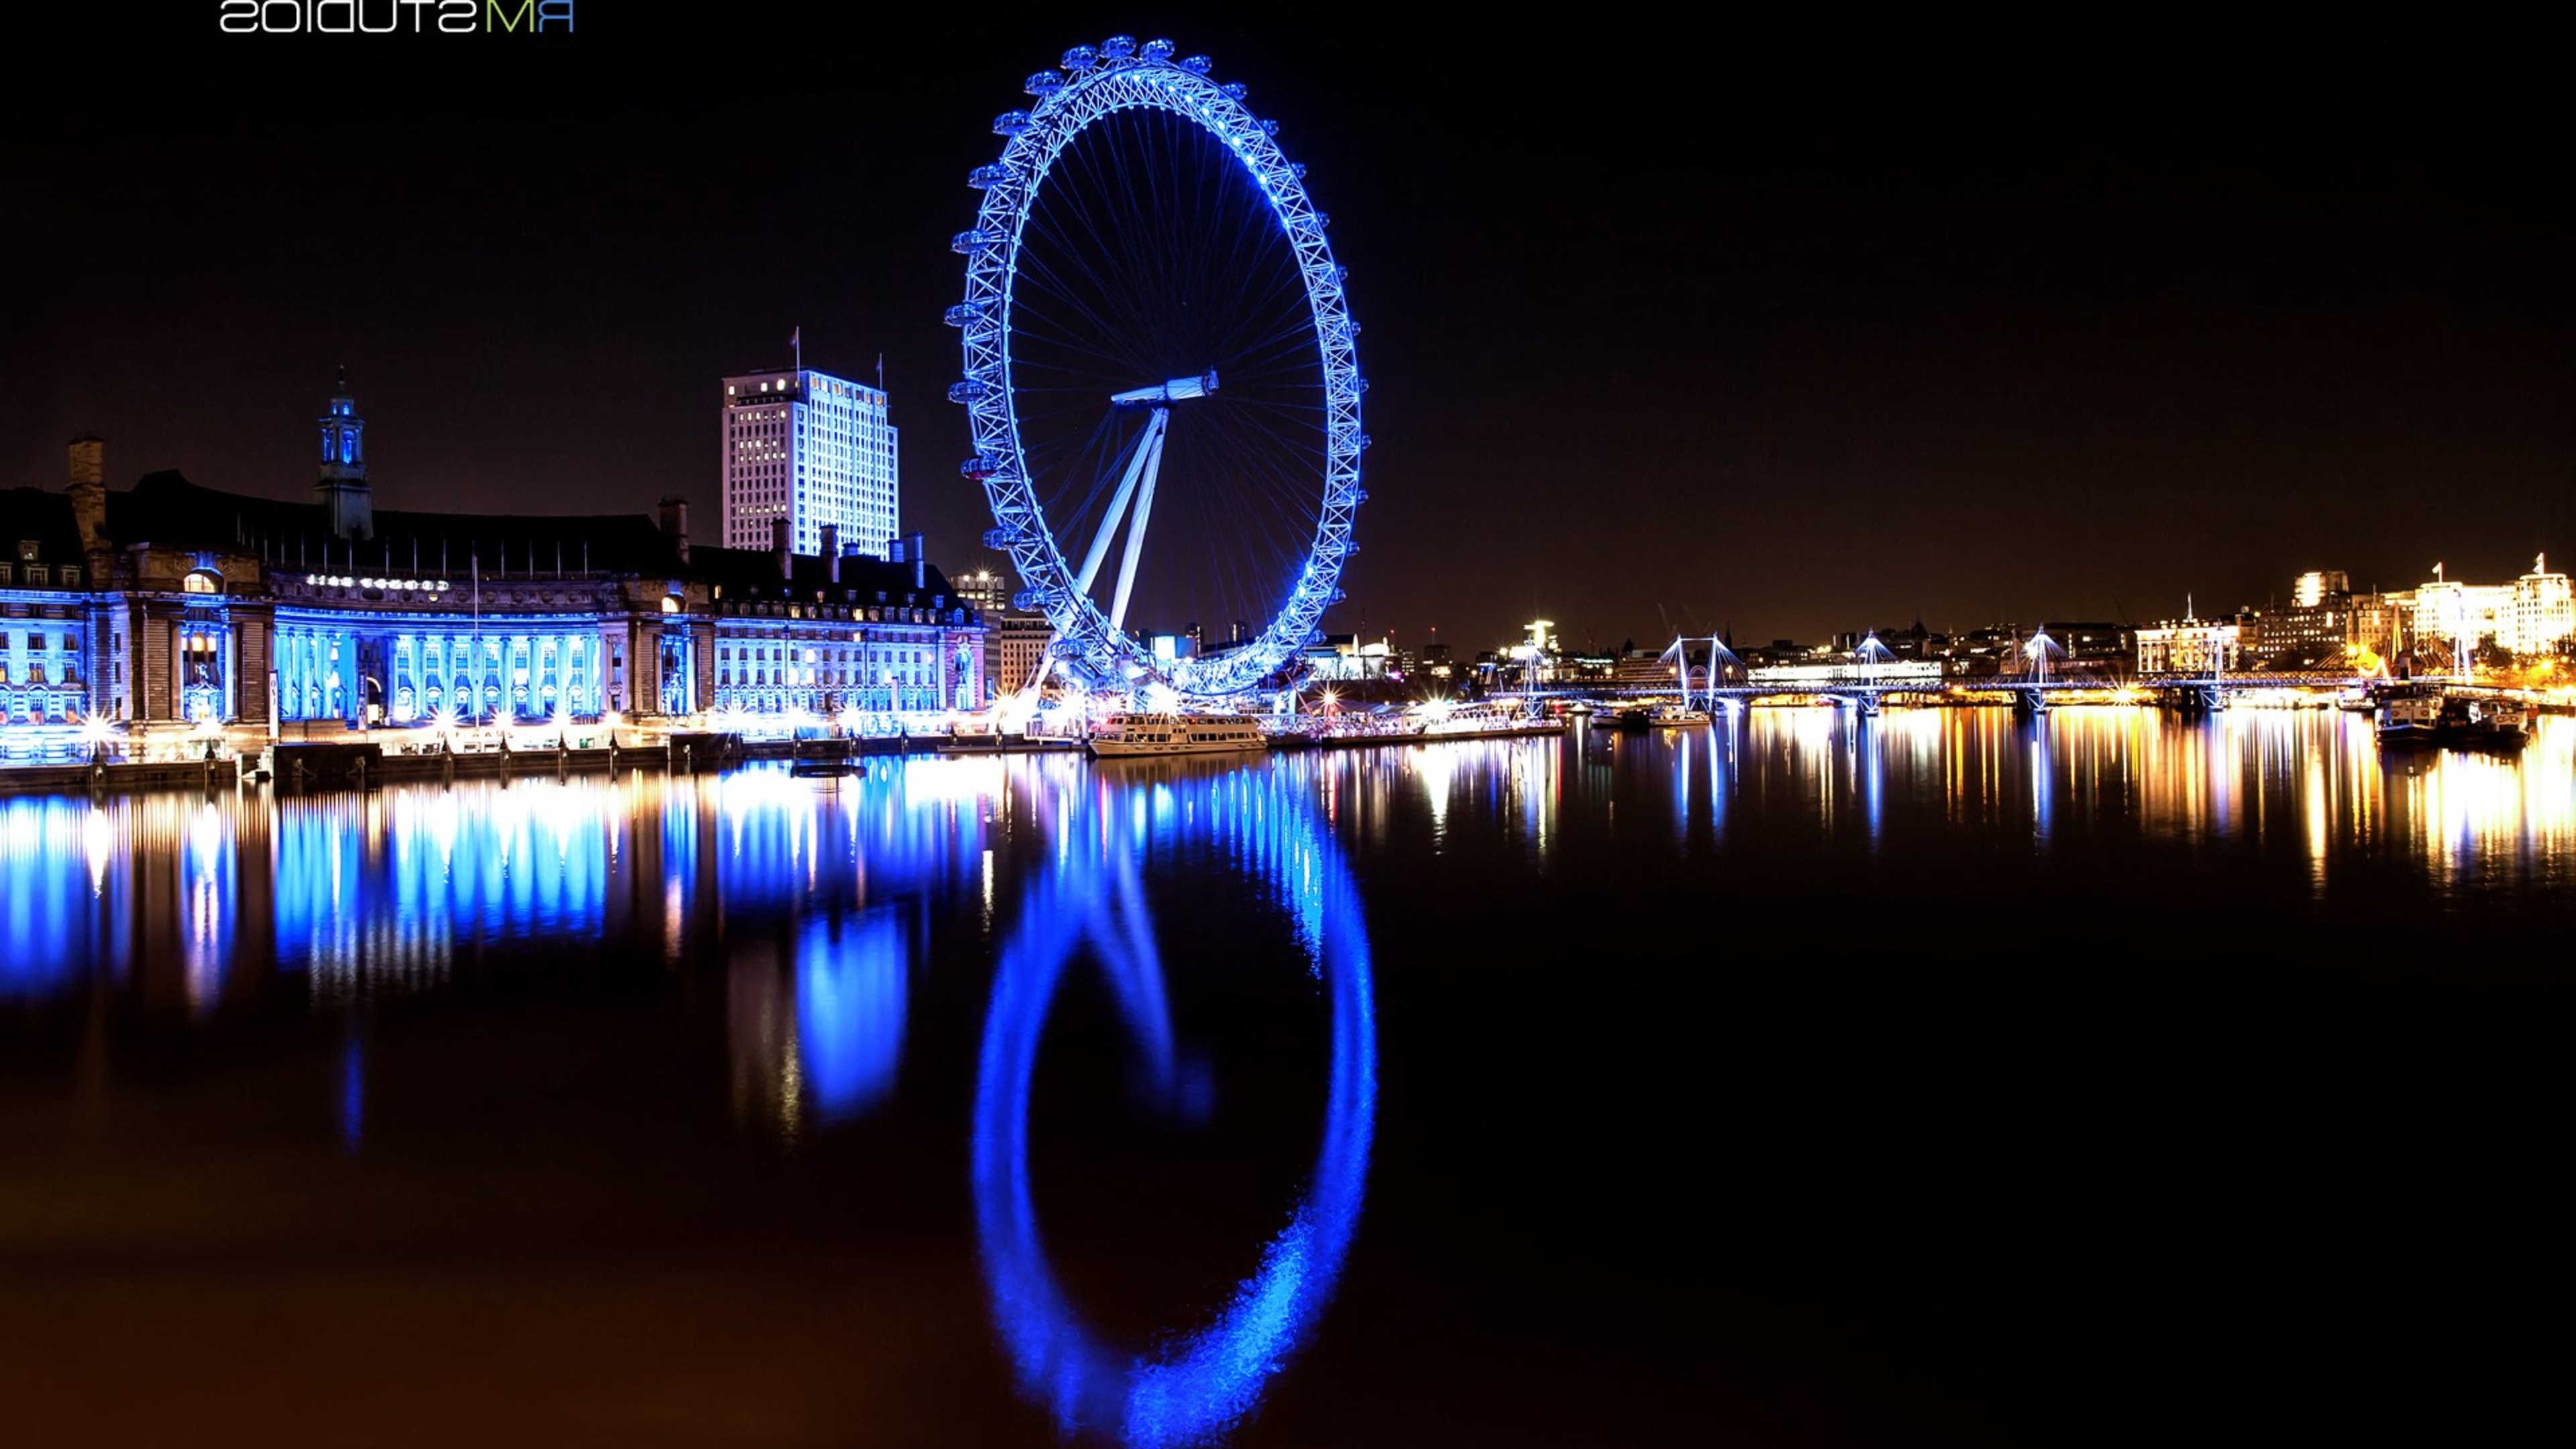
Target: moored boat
x,y
2477,723
1487,721
1128,736
2409,717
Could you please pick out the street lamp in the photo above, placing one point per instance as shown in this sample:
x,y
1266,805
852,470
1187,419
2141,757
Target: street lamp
x,y
96,732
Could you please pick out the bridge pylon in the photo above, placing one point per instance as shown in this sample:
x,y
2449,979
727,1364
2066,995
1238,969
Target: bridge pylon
x,y
1712,674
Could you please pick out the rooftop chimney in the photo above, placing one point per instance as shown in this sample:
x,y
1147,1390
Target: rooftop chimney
x,y
89,492
832,549
675,525
920,561
89,461
778,545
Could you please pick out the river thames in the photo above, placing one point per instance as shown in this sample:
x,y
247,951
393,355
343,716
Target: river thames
x,y
1944,1078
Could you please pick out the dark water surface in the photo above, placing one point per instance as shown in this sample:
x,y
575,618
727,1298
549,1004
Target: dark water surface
x,y
1940,1079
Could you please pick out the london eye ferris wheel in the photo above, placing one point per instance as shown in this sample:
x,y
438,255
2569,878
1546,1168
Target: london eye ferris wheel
x,y
1159,363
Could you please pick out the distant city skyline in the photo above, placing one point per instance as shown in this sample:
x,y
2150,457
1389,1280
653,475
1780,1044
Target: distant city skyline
x,y
1827,345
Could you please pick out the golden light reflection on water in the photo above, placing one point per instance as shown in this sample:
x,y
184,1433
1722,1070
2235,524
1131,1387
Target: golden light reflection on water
x,y
2309,780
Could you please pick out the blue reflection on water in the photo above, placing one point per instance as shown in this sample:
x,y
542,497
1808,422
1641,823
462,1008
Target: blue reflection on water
x,y
850,991
1198,1386
52,912
353,1090
2043,781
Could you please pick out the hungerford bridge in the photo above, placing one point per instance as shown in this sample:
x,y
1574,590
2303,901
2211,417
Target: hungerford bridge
x,y
1707,674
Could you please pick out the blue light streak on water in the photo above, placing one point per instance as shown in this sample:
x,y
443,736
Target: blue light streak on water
x,y
52,913
851,985
1198,1386
374,887
1873,779
353,1090
2043,782
209,880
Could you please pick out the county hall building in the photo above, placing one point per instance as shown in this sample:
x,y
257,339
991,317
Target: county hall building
x,y
171,607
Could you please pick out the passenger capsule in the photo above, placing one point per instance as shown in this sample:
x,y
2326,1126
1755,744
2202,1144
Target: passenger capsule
x,y
1198,65
963,314
985,178
1081,58
1010,123
969,390
1045,83
1118,47
1159,50
967,243
1235,90
1270,128
1000,539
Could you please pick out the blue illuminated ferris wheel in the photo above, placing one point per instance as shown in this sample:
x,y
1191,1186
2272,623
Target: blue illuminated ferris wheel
x,y
1155,336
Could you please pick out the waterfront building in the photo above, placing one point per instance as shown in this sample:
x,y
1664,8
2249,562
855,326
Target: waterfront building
x,y
1536,659
1344,657
172,607
2541,618
2533,615
51,624
1015,645
1992,650
2316,586
2097,649
986,590
2191,646
812,449
1644,669
2315,631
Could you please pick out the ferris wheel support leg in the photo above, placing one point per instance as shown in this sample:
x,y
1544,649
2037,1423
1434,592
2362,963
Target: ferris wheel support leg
x,y
1136,525
1146,446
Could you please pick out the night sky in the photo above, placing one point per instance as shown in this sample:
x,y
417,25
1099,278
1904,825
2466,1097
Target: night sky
x,y
1784,334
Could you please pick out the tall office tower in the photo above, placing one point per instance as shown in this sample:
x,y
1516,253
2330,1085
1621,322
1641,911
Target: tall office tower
x,y
810,448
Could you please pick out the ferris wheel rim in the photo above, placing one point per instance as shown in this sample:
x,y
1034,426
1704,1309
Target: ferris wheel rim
x,y
1094,85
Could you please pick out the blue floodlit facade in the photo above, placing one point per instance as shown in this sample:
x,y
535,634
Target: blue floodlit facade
x,y
170,606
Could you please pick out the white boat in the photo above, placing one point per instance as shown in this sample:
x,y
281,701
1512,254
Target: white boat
x,y
1129,736
1486,721
2408,717
1677,716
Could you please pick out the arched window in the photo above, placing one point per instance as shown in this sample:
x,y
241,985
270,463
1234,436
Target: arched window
x,y
202,581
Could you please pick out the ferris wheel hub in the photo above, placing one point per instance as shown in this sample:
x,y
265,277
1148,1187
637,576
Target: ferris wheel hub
x,y
1163,393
